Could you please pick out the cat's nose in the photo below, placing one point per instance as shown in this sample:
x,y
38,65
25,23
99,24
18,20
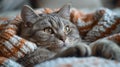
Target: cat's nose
x,y
63,38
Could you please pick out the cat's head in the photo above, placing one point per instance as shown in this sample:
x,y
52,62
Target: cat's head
x,y
49,30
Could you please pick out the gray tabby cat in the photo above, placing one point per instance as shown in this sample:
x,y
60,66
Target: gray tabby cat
x,y
54,35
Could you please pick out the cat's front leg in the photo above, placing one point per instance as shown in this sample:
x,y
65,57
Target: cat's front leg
x,y
78,49
38,56
105,48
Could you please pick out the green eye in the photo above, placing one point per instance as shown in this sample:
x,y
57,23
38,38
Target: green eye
x,y
67,29
48,30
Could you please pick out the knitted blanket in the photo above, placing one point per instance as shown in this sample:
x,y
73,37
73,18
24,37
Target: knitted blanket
x,y
13,47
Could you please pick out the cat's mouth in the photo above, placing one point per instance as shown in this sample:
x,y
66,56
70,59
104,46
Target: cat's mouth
x,y
55,46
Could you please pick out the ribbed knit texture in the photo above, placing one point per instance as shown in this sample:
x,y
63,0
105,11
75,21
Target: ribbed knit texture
x,y
11,45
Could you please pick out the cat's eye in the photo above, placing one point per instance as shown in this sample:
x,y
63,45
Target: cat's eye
x,y
48,30
67,29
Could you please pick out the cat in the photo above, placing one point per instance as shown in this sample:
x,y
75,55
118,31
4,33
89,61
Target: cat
x,y
56,36
53,33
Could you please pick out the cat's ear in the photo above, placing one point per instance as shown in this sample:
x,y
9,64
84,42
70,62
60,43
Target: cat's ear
x,y
65,11
28,15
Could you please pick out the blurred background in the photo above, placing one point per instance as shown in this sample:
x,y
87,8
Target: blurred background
x,y
10,8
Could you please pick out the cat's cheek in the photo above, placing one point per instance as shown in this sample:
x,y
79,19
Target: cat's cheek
x,y
61,44
41,37
69,41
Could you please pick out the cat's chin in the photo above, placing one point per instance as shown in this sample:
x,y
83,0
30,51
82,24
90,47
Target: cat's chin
x,y
54,46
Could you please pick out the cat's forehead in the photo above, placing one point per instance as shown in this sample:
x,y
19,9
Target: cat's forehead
x,y
53,20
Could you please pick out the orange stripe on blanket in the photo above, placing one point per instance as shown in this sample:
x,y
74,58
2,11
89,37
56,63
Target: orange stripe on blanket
x,y
2,40
75,14
48,10
115,37
4,19
13,30
2,26
13,52
105,26
20,45
84,30
17,21
4,51
2,60
6,35
84,21
107,31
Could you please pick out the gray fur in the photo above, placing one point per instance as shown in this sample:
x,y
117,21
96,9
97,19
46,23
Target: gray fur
x,y
56,37
106,48
53,33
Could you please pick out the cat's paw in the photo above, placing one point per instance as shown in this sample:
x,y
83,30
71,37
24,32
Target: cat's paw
x,y
82,49
78,50
105,48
